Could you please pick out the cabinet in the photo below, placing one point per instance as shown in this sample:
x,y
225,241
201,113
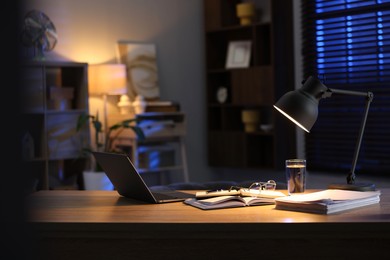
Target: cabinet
x,y
163,150
269,75
53,96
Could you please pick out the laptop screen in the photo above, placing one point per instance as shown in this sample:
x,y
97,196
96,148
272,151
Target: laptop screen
x,y
124,176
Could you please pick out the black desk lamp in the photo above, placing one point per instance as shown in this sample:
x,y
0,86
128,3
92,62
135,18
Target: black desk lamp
x,y
301,107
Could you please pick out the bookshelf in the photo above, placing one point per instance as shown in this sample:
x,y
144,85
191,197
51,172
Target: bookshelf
x,y
253,88
54,94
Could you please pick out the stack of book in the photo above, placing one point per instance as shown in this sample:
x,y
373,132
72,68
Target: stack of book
x,y
162,106
321,202
328,201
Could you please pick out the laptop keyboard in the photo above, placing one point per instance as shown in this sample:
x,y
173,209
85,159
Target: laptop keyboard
x,y
172,194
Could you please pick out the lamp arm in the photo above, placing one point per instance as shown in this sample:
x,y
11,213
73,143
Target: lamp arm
x,y
369,97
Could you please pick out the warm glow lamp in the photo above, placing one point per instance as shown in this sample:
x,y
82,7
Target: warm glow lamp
x,y
301,107
107,79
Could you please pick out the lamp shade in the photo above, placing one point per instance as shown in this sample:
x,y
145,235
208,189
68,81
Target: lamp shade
x,y
107,79
301,105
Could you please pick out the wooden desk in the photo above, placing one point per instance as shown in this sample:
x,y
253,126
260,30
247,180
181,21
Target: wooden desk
x,y
103,225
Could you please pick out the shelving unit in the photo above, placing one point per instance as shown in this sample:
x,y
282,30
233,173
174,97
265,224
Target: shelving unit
x,y
163,150
54,95
269,75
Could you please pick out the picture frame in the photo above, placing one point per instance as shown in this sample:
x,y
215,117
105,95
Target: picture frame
x,y
140,59
238,54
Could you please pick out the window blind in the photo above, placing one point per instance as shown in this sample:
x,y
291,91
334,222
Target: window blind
x,y
346,43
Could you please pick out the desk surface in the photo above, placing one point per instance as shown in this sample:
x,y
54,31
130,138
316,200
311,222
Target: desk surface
x,y
109,207
102,224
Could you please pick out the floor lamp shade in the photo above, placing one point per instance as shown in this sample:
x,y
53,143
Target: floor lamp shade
x,y
107,79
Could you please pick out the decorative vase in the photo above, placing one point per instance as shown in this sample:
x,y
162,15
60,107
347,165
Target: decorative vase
x,y
124,105
96,181
251,119
139,104
246,12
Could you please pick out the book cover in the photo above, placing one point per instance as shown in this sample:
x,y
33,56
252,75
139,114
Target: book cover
x,y
328,201
228,201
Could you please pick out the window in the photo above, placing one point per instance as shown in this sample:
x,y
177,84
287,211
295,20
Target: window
x,y
347,44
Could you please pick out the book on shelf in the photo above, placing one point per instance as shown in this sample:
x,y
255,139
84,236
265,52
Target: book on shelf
x,y
327,201
162,106
240,192
228,201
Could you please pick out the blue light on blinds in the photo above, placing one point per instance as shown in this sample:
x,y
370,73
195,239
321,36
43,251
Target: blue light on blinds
x,y
353,44
323,6
347,43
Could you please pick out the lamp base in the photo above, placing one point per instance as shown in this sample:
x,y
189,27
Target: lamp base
x,y
355,186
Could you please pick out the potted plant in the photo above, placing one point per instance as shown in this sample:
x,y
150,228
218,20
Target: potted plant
x,y
103,141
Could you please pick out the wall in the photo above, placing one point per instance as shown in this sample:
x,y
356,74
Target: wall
x,y
89,29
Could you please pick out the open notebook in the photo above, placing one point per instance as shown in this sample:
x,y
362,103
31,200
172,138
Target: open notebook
x,y
129,183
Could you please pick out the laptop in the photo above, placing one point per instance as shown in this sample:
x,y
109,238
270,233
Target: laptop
x,y
128,181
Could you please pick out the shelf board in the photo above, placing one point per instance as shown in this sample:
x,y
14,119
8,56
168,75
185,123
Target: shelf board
x,y
67,111
240,106
260,132
224,70
237,27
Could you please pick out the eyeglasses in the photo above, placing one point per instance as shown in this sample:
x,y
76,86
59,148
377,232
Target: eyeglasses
x,y
269,185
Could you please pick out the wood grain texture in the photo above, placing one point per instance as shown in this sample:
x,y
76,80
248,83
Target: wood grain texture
x,y
88,224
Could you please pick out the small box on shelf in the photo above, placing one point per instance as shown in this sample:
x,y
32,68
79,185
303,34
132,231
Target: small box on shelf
x,y
60,98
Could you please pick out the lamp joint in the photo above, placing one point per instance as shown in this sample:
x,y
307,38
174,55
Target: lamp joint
x,y
351,178
370,96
